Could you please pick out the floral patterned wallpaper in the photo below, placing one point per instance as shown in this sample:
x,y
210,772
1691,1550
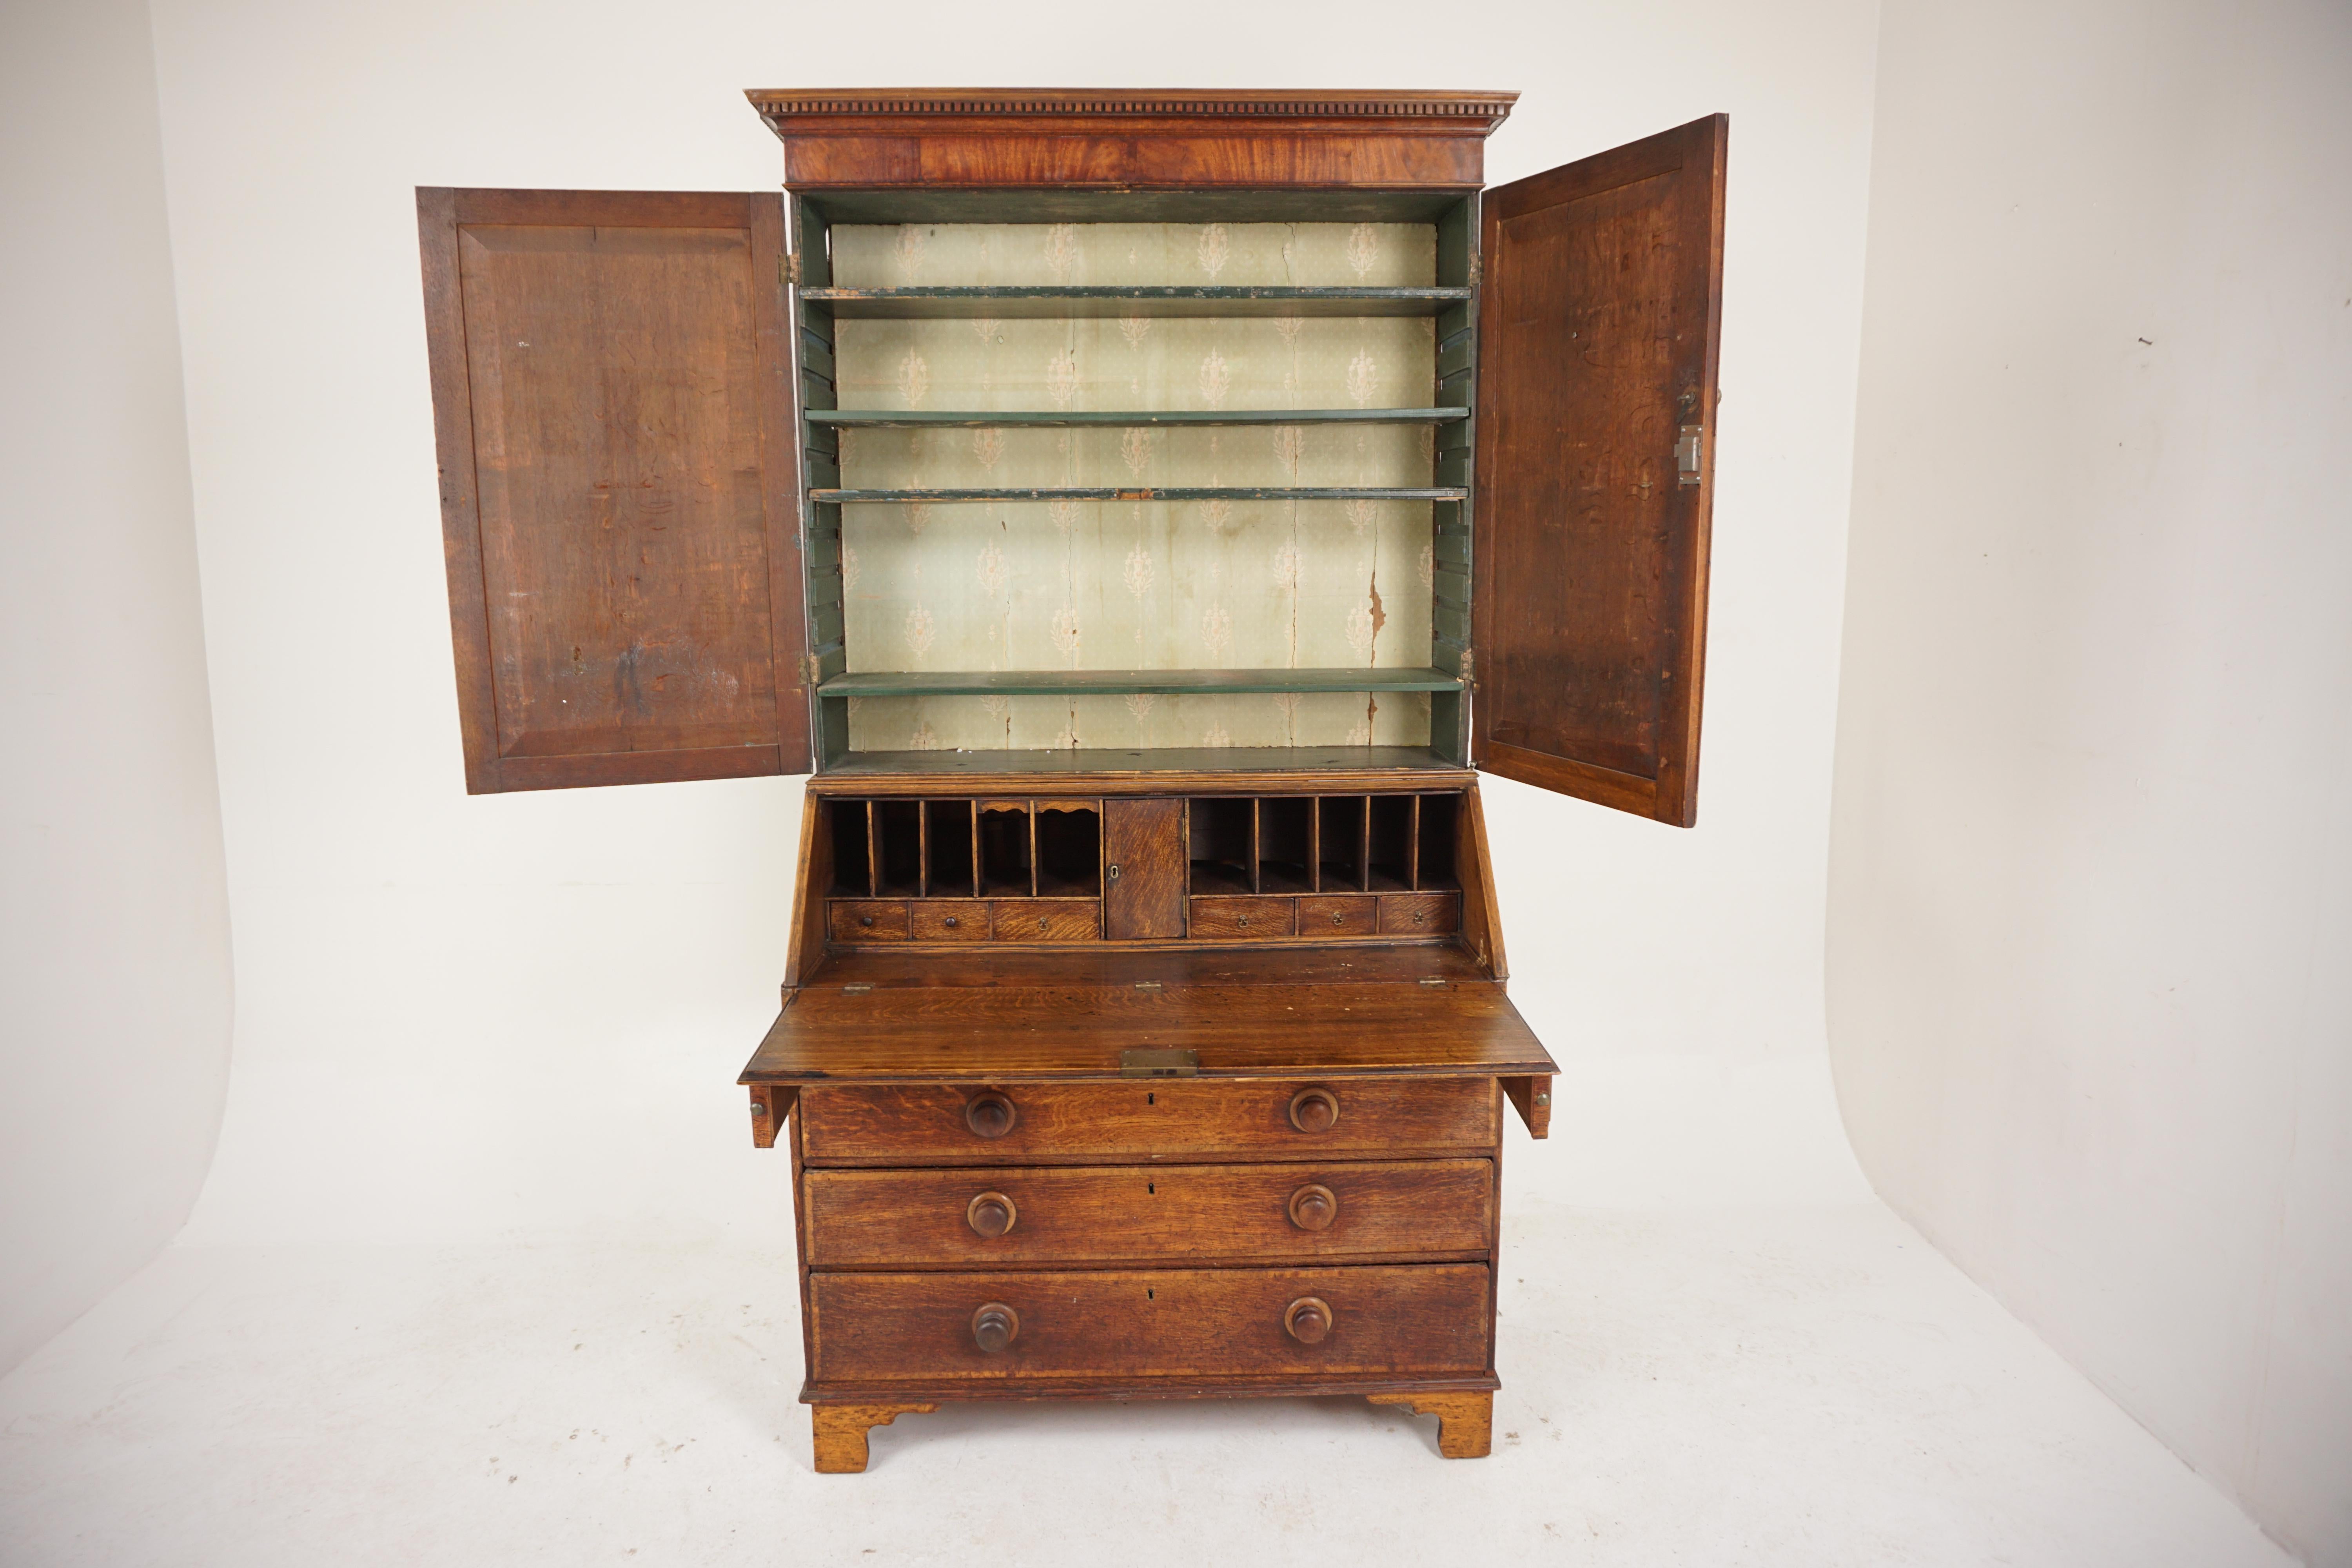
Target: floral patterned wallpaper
x,y
1122,585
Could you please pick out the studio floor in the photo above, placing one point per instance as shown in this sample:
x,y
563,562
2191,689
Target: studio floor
x,y
1769,1385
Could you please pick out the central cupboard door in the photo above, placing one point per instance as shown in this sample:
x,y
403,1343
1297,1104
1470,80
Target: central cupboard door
x,y
1143,869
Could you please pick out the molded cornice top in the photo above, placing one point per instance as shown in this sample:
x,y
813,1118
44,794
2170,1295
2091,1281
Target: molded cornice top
x,y
791,110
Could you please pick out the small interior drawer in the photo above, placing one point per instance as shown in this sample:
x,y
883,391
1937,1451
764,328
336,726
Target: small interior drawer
x,y
1240,920
1326,915
1046,920
933,920
1420,914
867,919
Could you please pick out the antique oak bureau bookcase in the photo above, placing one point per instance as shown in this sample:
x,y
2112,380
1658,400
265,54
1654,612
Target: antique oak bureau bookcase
x,y
1143,514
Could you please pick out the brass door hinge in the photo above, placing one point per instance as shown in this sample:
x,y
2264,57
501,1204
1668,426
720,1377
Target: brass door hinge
x,y
1686,454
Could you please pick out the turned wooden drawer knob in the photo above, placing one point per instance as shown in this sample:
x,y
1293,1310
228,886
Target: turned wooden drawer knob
x,y
1314,1109
865,919
952,922
1314,1208
991,1214
1309,1320
995,1324
990,1115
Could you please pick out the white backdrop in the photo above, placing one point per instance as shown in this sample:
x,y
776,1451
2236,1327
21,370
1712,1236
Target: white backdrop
x,y
114,936
522,1015
2091,931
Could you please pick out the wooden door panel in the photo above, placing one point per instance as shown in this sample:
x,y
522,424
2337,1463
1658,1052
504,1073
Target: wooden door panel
x,y
1598,339
1144,840
611,394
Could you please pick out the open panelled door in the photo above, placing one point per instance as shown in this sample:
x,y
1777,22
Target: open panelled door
x,y
1597,344
611,398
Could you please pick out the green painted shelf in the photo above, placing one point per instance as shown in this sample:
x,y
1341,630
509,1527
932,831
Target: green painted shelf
x,y
1121,682
1389,760
886,418
1023,301
1227,493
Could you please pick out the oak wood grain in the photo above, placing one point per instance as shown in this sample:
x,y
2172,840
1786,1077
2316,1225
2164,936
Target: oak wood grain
x,y
838,1432
1598,351
1149,1119
1044,920
1532,1096
977,1033
613,418
1420,914
1465,1422
1256,918
1194,1214
1127,967
1178,1323
1143,841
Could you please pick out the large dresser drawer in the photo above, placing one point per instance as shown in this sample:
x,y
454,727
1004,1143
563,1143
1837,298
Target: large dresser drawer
x,y
1146,1119
1422,1319
1019,1216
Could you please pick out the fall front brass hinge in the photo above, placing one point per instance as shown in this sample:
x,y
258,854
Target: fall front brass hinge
x,y
788,269
1153,1063
1686,454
